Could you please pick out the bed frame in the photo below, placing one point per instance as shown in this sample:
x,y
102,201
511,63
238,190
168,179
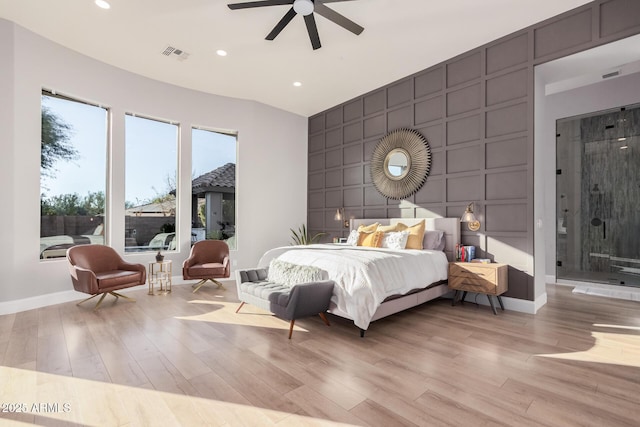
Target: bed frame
x,y
451,228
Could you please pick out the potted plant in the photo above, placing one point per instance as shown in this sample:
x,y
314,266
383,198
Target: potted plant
x,y
301,236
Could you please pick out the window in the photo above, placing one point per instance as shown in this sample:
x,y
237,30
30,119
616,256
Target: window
x,y
213,189
150,184
73,159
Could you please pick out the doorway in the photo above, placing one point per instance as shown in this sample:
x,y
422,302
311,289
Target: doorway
x,y
598,197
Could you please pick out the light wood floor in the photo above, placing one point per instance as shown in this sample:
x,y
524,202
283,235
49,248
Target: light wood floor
x,y
188,359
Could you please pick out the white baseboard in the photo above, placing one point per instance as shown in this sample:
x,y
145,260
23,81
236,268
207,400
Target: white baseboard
x,y
16,306
550,278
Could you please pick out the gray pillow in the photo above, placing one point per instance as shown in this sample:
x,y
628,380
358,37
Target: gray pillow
x,y
434,240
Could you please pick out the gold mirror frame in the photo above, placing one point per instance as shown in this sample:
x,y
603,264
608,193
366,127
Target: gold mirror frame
x,y
416,148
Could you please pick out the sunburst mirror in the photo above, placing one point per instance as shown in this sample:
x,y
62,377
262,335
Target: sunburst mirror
x,y
400,163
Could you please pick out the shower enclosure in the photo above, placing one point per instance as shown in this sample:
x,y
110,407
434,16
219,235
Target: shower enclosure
x,y
598,197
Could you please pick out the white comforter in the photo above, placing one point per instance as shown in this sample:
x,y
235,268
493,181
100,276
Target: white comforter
x,y
366,276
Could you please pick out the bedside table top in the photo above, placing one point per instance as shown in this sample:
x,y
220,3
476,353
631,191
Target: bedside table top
x,y
481,264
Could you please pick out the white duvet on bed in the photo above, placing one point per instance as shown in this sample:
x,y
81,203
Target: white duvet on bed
x,y
366,276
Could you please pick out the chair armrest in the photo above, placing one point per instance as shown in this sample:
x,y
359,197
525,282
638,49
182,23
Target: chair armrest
x,y
310,298
84,280
189,262
225,261
129,266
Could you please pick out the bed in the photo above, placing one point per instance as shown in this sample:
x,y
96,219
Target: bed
x,y
372,283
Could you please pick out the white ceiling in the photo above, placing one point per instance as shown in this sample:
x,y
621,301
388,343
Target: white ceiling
x,y
588,67
400,38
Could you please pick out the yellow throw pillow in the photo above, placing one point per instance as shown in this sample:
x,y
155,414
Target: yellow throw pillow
x,y
388,228
416,234
368,228
373,240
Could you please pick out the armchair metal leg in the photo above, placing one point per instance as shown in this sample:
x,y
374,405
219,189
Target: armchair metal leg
x,y
87,299
99,302
220,286
201,283
117,295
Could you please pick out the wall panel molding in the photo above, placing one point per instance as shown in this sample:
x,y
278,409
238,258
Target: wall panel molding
x,y
476,111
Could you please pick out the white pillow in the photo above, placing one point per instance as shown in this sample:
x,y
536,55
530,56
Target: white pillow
x,y
290,274
352,240
395,239
433,239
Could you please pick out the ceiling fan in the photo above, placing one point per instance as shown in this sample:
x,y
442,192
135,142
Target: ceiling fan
x,y
306,8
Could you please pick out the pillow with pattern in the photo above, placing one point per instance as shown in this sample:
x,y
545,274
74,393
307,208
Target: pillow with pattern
x,y
395,239
290,274
352,240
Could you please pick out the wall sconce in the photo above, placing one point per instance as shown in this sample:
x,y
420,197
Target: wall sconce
x,y
472,222
339,216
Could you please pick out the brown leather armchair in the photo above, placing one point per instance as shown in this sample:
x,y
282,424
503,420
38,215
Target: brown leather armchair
x,y
98,269
208,260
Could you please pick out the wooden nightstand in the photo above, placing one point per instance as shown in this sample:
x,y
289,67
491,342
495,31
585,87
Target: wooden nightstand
x,y
488,279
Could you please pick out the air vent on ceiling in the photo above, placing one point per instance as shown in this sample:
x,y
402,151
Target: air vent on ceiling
x,y
180,54
612,74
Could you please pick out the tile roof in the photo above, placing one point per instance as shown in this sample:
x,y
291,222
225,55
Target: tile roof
x,y
224,176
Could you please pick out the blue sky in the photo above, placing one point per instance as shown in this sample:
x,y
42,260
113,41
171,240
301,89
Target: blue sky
x,y
151,153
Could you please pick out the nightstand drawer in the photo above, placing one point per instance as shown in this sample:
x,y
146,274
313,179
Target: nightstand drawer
x,y
470,271
481,278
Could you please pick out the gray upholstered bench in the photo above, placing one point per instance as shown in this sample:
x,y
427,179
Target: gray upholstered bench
x,y
289,302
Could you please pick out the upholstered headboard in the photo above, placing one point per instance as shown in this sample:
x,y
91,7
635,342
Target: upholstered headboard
x,y
450,226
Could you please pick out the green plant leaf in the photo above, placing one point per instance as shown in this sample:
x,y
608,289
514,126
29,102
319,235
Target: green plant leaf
x,y
301,236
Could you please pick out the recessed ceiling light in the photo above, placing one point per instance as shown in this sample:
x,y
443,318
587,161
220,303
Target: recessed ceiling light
x,y
103,4
221,52
297,84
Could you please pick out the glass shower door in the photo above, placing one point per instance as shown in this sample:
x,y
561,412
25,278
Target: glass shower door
x,y
598,197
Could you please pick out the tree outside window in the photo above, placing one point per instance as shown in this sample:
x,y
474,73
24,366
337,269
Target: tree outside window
x,y
72,174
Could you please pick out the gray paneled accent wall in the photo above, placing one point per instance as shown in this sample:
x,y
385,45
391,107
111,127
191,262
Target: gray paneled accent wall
x,y
476,111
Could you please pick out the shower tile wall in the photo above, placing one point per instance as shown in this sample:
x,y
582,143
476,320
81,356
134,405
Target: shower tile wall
x,y
476,111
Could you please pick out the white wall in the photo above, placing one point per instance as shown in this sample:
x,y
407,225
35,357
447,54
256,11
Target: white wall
x,y
271,169
607,94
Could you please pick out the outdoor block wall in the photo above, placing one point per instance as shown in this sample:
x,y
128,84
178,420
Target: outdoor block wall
x,y
476,110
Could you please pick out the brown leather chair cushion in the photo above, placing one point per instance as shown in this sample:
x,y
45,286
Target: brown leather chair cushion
x,y
210,269
114,279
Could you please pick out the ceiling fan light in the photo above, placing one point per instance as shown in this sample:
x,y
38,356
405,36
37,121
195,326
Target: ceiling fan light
x,y
303,7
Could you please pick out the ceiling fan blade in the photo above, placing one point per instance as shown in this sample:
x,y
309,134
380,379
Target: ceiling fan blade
x,y
250,4
330,1
312,29
280,25
337,18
